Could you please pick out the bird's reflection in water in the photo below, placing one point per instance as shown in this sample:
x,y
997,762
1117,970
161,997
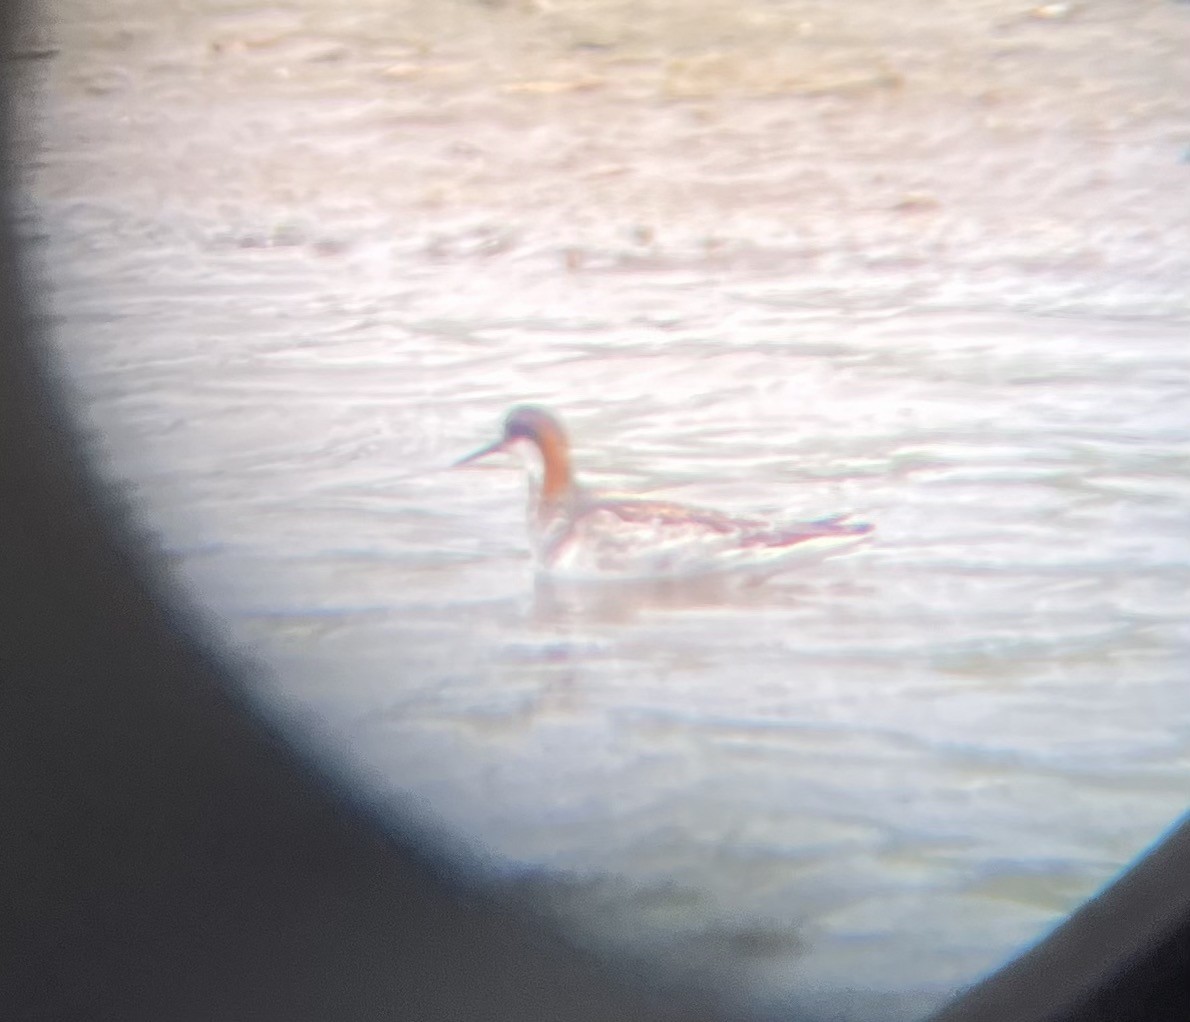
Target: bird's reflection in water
x,y
624,601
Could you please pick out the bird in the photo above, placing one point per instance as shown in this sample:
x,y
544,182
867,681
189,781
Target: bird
x,y
582,533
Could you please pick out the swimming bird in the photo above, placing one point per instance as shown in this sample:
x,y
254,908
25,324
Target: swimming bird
x,y
579,532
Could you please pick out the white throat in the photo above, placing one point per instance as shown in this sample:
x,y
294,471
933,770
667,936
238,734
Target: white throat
x,y
526,452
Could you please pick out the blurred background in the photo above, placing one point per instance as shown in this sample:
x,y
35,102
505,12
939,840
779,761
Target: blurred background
x,y
926,262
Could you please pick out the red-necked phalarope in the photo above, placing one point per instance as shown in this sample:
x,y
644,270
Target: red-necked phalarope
x,y
578,532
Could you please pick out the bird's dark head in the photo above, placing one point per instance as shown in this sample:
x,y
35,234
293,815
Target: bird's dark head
x,y
528,422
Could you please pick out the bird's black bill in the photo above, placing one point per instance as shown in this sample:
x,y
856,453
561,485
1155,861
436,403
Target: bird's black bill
x,y
483,452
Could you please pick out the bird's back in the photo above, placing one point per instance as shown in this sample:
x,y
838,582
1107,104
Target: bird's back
x,y
611,538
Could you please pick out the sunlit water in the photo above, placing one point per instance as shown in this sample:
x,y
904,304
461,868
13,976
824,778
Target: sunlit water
x,y
297,263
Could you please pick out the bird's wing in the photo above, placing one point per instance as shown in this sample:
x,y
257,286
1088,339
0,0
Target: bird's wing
x,y
658,537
